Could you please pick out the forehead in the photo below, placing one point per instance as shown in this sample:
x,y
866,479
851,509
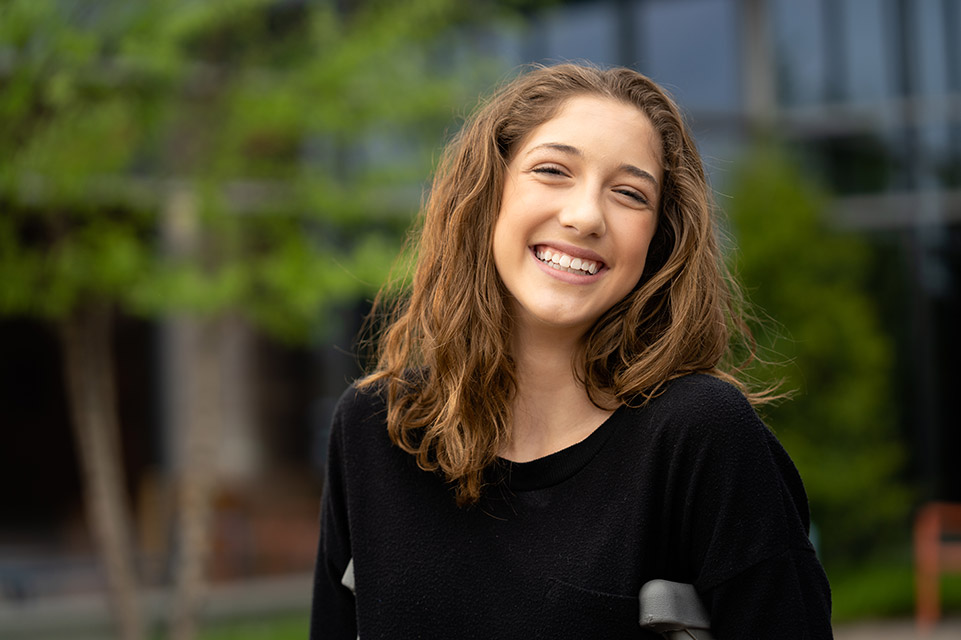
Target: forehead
x,y
602,126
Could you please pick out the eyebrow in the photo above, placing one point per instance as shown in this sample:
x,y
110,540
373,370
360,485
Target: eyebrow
x,y
637,172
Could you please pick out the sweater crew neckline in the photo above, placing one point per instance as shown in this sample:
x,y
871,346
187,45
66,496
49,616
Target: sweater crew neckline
x,y
559,466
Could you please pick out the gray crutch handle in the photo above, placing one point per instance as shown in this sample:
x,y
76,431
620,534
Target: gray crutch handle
x,y
674,610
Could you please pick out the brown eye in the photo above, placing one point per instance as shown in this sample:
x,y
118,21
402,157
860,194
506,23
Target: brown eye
x,y
549,169
634,195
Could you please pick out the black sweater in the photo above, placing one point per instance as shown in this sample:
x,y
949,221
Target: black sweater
x,y
692,488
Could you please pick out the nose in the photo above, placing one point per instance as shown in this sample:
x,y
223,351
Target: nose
x,y
584,212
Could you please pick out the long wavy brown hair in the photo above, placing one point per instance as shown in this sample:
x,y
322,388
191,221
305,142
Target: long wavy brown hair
x,y
445,356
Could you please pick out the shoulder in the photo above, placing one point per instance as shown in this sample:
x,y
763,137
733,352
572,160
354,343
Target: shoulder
x,y
706,427
360,416
705,406
704,390
360,402
710,428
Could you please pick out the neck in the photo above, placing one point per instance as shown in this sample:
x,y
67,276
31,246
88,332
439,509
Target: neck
x,y
551,408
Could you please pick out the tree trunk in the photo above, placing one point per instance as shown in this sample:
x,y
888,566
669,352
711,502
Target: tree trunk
x,y
198,470
89,372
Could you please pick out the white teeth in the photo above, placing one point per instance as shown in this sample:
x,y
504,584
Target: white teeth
x,y
563,262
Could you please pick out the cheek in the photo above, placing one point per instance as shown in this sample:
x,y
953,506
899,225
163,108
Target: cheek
x,y
505,243
637,241
512,225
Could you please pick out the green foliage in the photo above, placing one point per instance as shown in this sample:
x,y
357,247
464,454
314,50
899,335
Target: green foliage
x,y
828,347
301,134
885,588
277,627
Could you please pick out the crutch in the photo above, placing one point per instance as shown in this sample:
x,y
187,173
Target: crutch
x,y
674,610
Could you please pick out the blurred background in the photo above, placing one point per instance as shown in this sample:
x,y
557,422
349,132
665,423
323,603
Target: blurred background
x,y
198,201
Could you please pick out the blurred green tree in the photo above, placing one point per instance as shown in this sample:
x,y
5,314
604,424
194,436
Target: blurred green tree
x,y
174,157
823,339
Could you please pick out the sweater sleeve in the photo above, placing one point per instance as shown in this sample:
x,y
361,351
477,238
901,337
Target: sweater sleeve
x,y
333,614
786,596
746,526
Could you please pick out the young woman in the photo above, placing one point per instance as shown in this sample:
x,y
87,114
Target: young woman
x,y
551,423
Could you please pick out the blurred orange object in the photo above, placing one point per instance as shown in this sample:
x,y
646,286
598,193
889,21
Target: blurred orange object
x,y
937,549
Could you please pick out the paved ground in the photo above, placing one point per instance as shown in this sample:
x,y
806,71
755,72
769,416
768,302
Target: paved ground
x,y
83,618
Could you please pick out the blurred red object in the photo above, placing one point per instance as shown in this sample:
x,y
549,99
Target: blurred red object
x,y
937,549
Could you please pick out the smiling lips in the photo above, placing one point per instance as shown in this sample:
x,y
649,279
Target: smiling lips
x,y
563,262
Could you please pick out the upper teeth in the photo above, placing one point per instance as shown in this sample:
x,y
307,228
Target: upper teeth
x,y
564,262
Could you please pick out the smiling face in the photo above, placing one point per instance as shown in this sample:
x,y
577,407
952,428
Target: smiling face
x,y
578,212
